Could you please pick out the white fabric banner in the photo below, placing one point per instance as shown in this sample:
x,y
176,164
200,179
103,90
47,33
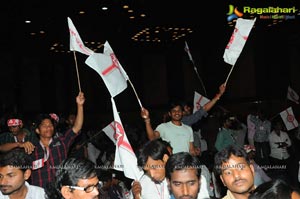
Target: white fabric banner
x,y
75,40
125,159
292,95
289,119
199,101
237,40
107,66
110,131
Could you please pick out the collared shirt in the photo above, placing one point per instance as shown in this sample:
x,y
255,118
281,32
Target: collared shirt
x,y
57,152
225,138
276,152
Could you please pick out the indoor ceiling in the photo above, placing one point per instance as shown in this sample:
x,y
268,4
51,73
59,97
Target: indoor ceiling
x,y
135,21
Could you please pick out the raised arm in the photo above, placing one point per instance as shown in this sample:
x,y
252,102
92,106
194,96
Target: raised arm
x,y
79,117
212,102
151,134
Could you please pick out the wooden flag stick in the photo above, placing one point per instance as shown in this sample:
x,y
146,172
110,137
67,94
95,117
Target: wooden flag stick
x,y
135,93
229,74
78,79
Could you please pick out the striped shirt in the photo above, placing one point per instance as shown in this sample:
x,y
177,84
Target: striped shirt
x,y
57,152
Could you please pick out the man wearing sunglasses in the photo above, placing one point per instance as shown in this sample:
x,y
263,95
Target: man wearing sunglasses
x,y
75,179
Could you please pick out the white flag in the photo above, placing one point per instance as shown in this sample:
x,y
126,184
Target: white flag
x,y
238,40
199,101
187,50
109,51
107,66
125,159
292,95
75,40
289,119
110,131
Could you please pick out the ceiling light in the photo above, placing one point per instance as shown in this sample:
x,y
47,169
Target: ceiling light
x,y
104,8
27,21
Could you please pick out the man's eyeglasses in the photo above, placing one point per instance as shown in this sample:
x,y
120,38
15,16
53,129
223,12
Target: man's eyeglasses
x,y
88,189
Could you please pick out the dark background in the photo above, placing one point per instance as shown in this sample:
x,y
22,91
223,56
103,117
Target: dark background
x,y
38,73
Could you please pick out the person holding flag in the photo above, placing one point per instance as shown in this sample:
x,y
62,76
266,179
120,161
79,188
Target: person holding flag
x,y
50,151
172,130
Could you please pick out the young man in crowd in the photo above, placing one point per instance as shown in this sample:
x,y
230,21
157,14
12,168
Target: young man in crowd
x,y
17,136
176,131
234,167
75,179
15,170
183,172
51,150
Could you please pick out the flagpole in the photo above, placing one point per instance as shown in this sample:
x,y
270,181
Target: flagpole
x,y
135,93
195,68
77,71
229,74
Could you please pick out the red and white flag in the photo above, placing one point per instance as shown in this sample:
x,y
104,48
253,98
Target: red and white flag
x,y
237,40
199,101
292,95
110,131
187,50
109,51
75,40
107,66
125,159
289,119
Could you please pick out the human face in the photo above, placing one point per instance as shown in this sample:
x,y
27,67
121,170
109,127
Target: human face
x,y
238,176
155,169
295,195
81,194
12,180
14,129
176,113
45,129
184,184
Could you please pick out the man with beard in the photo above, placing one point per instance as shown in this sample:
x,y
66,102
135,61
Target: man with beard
x,y
183,172
236,172
14,172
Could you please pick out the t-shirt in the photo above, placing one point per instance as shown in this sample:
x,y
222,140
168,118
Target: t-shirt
x,y
179,137
34,192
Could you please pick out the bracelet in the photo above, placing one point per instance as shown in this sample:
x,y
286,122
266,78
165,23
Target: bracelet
x,y
147,120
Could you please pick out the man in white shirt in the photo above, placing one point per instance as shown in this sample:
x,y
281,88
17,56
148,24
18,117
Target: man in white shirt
x,y
153,184
14,172
279,156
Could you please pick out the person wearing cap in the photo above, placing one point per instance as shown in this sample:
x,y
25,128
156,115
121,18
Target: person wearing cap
x,y
17,136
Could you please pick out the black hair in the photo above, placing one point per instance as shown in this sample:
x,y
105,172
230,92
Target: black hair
x,y
274,189
16,158
41,117
175,103
224,155
69,172
180,161
156,149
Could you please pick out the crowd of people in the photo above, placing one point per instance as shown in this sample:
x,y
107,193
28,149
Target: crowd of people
x,y
209,153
